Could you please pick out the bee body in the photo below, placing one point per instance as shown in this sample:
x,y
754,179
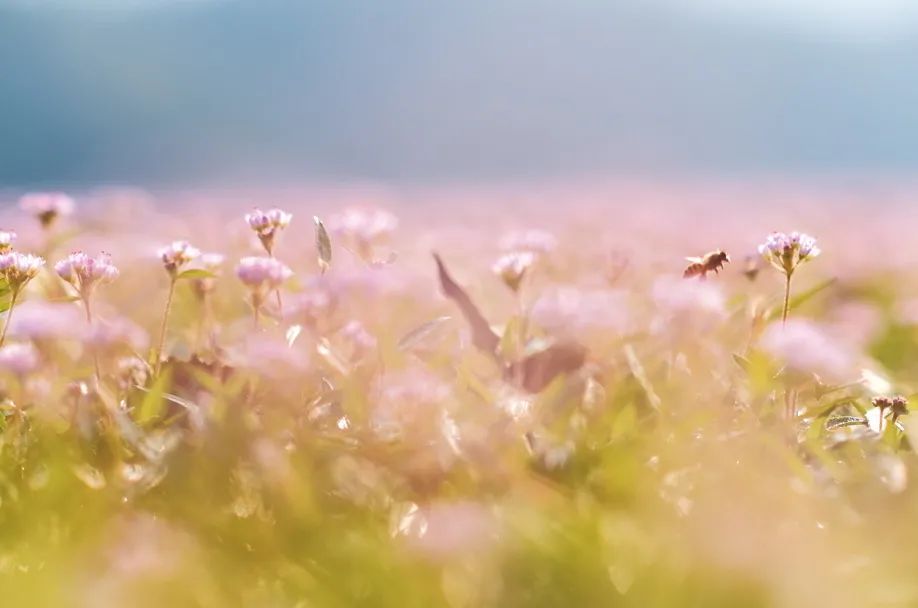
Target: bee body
x,y
711,262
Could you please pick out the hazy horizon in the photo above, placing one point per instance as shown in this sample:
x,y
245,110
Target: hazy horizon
x,y
168,92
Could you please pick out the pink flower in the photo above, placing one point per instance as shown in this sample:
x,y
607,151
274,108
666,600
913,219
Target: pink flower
x,y
269,356
675,296
212,262
446,529
267,225
512,267
38,320
84,272
47,206
113,333
6,240
805,347
20,268
176,255
259,273
20,358
570,310
364,225
359,338
787,251
532,240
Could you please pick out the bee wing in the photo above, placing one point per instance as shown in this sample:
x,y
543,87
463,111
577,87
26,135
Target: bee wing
x,y
694,260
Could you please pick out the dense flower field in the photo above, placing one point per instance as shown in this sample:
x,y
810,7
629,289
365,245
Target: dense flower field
x,y
517,399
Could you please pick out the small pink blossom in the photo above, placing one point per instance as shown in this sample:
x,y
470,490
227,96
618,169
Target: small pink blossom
x,y
572,310
364,225
177,255
39,320
359,338
212,262
47,206
114,333
259,273
512,267
269,355
20,268
6,240
20,358
532,240
84,272
806,347
267,224
675,296
447,529
787,251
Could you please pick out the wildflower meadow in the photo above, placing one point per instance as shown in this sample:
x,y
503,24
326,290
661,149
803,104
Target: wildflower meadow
x,y
532,397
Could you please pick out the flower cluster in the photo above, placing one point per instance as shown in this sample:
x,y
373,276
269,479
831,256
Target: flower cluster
x,y
47,206
897,404
267,224
177,255
787,251
19,268
85,272
262,273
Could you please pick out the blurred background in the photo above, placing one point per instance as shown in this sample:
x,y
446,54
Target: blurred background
x,y
153,92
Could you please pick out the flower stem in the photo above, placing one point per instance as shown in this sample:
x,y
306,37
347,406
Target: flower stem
x,y
786,300
269,247
256,309
9,315
158,353
95,355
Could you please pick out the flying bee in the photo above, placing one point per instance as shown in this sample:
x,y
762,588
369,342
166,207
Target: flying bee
x,y
711,262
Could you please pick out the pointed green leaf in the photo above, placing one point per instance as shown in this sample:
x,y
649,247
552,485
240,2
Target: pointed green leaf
x,y
154,400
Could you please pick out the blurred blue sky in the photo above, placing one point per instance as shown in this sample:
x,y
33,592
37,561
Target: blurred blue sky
x,y
179,91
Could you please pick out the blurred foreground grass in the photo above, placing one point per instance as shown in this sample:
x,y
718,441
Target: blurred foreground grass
x,y
358,450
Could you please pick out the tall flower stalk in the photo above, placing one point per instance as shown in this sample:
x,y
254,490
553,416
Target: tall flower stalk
x,y
174,257
85,273
203,289
18,269
786,252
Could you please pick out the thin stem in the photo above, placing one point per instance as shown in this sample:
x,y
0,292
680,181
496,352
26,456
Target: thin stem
x,y
157,365
204,325
95,355
786,300
269,247
256,309
9,315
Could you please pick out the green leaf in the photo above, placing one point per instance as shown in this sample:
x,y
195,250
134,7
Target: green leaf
x,y
154,400
323,245
842,421
196,273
